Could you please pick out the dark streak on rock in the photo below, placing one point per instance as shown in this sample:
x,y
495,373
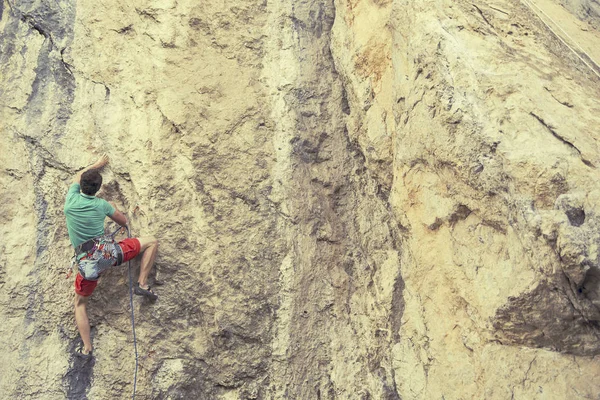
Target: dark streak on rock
x,y
47,111
345,104
125,29
564,103
552,130
55,27
483,16
397,309
35,26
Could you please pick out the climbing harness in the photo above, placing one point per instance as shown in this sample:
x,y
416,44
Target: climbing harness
x,y
530,4
97,255
132,322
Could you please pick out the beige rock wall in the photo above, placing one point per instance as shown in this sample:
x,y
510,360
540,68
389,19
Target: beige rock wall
x,y
355,199
495,177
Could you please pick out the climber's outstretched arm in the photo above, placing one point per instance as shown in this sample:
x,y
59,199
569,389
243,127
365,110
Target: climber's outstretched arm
x,y
102,161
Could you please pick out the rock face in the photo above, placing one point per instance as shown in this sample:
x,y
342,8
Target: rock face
x,y
586,10
355,199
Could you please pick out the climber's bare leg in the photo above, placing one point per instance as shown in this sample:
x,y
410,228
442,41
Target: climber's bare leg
x,y
149,248
83,324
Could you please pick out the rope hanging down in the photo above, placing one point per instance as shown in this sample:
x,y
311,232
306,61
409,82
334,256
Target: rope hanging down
x,y
132,314
132,323
530,4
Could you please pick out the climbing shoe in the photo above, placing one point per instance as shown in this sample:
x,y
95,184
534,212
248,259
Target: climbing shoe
x,y
80,354
145,292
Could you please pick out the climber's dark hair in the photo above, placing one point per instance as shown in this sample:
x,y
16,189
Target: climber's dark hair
x,y
90,182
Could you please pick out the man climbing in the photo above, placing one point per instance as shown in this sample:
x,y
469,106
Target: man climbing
x,y
85,215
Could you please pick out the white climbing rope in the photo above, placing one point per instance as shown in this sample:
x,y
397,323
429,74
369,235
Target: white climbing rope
x,y
530,4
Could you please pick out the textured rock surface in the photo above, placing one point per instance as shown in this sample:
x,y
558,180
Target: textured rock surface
x,y
586,10
356,199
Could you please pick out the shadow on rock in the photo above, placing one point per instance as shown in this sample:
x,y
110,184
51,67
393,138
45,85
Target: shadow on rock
x,y
78,378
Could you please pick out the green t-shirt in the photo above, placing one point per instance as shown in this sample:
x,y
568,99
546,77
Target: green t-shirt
x,y
85,215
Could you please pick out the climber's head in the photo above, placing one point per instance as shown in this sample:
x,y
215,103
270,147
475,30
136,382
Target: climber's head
x,y
90,182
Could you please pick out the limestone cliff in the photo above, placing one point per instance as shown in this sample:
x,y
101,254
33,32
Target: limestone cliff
x,y
355,199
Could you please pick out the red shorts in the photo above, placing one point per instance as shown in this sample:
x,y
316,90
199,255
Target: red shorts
x,y
130,247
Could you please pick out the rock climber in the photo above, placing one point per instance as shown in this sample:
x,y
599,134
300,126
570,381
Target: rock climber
x,y
85,216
